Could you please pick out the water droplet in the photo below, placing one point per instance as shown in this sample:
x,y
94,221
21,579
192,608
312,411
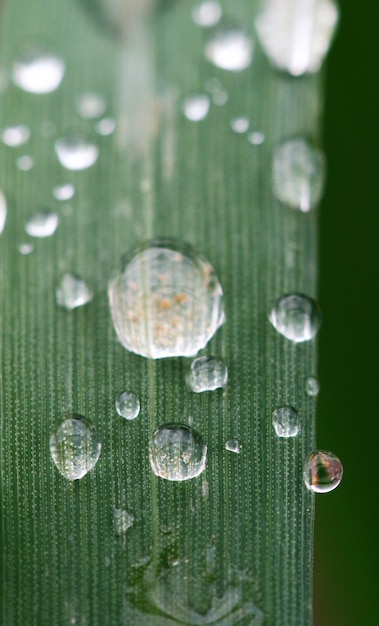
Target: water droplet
x,y
3,210
75,447
177,452
72,292
312,386
122,520
42,224
233,445
37,70
25,248
298,173
25,163
64,192
76,152
240,124
322,471
207,374
205,489
207,14
166,301
128,405
296,316
230,49
219,98
91,105
106,126
296,36
285,421
14,136
256,138
196,108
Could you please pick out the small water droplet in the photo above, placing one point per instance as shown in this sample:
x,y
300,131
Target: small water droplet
x,y
107,561
106,126
207,374
177,452
285,420
298,174
205,489
196,107
128,405
122,520
76,152
322,471
64,192
256,138
233,445
240,124
219,98
14,136
3,210
296,316
72,292
91,105
230,49
42,224
296,36
207,13
166,300
312,386
25,248
25,163
75,447
37,70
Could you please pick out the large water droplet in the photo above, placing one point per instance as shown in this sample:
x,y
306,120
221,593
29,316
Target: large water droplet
x,y
166,301
312,386
3,210
91,105
240,124
128,405
322,471
207,374
296,316
230,49
207,13
285,421
75,447
76,152
14,136
177,452
25,163
64,192
233,445
295,35
72,292
43,224
298,174
37,70
196,107
122,520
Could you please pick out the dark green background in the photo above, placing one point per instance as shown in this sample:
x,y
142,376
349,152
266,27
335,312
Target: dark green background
x,y
347,537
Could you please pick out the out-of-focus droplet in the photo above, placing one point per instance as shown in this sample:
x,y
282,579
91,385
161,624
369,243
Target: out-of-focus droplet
x,y
285,420
207,374
256,138
3,210
295,35
64,192
229,49
91,105
14,136
106,126
233,445
42,224
128,405
219,98
312,386
240,124
25,248
25,163
37,70
196,107
76,152
75,447
322,471
296,316
165,301
72,292
177,452
207,13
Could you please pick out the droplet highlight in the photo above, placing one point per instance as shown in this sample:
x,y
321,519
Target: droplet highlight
x,y
207,374
75,447
240,125
196,107
72,292
207,14
42,224
37,70
76,152
285,421
128,405
177,452
233,445
91,105
229,49
296,316
165,301
322,471
312,386
14,136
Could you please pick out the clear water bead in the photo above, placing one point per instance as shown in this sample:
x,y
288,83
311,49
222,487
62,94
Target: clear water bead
x,y
25,163
128,405
207,374
75,447
64,192
229,49
298,174
233,445
91,105
14,136
3,210
312,386
285,420
122,520
296,316
72,292
76,152
37,70
240,124
165,301
42,224
177,452
207,13
322,471
295,35
196,107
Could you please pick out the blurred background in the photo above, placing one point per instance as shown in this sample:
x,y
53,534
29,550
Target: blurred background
x,y
347,531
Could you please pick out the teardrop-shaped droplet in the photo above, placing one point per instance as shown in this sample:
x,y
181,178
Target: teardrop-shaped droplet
x,y
177,452
285,420
75,447
72,292
42,224
207,374
76,152
128,405
165,301
37,70
322,471
296,316
230,49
